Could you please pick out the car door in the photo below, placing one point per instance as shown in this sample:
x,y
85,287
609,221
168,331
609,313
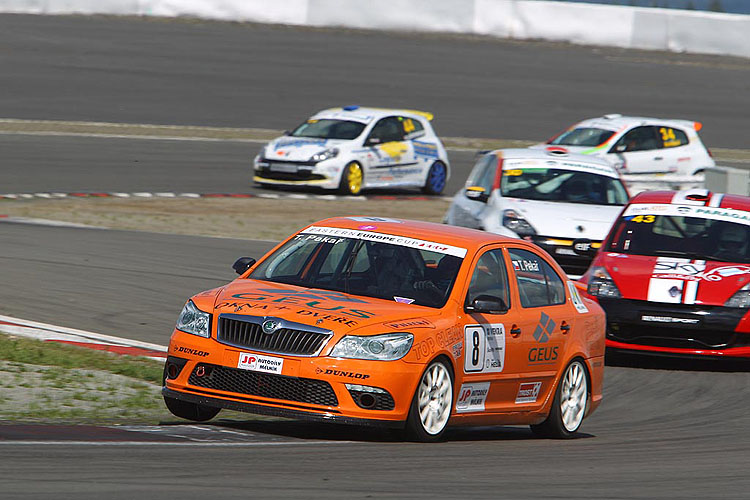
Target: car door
x,y
489,368
641,150
390,156
468,206
543,323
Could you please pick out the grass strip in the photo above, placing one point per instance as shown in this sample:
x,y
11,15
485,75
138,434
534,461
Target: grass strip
x,y
36,352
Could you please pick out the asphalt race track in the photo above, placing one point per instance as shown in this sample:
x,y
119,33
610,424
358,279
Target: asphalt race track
x,y
663,431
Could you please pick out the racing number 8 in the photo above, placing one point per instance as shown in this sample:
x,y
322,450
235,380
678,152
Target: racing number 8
x,y
408,126
474,338
475,350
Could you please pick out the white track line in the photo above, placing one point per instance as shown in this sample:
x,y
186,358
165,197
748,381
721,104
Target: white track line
x,y
36,329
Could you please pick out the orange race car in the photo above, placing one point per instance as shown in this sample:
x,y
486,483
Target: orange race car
x,y
366,320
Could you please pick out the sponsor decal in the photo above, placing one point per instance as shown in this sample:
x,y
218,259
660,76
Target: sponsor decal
x,y
471,397
427,149
702,212
526,265
341,373
298,142
575,297
528,392
457,349
387,238
485,348
403,300
190,351
675,281
367,227
442,340
669,319
320,316
258,363
410,323
542,334
318,239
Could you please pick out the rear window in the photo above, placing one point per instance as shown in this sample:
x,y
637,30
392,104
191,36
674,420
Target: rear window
x,y
583,136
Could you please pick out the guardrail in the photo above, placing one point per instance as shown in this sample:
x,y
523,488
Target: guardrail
x,y
591,24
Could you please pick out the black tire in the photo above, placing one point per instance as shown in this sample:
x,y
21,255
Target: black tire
x,y
555,426
416,428
435,182
190,411
345,187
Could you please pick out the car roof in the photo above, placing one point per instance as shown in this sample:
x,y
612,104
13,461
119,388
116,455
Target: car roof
x,y
616,122
699,197
366,114
470,239
555,157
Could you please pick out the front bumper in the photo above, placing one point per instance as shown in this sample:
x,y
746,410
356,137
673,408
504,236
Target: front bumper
x,y
675,329
317,387
323,174
561,249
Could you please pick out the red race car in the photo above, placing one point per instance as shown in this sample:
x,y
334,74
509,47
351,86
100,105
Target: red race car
x,y
673,275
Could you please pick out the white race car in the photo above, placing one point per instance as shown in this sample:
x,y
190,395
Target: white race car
x,y
637,145
354,148
550,198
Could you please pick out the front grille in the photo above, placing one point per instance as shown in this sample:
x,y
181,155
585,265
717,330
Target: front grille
x,y
247,332
660,336
301,175
266,385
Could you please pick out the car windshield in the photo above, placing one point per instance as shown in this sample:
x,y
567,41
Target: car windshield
x,y
682,237
583,136
370,268
571,186
329,129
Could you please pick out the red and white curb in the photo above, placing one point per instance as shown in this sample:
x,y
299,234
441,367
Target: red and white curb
x,y
82,338
167,195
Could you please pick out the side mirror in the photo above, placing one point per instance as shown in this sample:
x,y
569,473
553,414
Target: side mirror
x,y
243,264
372,141
477,193
621,148
583,246
487,304
287,132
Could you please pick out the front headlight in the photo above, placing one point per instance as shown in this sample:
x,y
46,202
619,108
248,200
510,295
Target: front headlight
x,y
740,299
326,154
387,347
516,223
193,320
602,285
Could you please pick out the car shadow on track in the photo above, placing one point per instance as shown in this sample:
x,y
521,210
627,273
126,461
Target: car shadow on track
x,y
693,364
311,190
338,432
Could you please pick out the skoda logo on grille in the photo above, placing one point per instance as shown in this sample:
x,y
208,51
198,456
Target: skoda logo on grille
x,y
269,326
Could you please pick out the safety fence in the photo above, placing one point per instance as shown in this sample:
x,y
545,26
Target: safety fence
x,y
579,23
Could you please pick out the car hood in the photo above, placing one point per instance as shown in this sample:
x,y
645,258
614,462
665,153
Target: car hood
x,y
299,148
676,281
581,150
340,312
566,220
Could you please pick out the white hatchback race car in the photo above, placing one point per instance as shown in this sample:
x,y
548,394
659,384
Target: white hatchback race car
x,y
636,145
354,148
550,198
